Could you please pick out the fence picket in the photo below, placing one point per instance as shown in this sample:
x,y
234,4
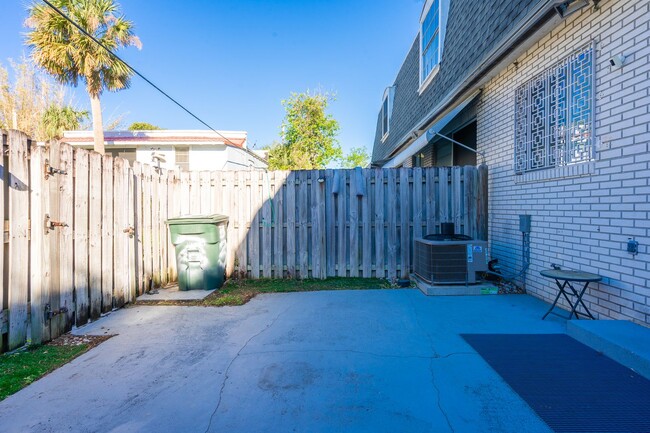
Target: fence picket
x,y
456,198
303,228
185,193
432,200
40,295
242,229
18,275
228,195
147,227
138,228
405,223
53,211
195,193
206,204
319,258
266,250
443,194
278,224
173,211
66,246
366,230
81,257
391,216
354,225
342,221
291,224
163,232
120,221
379,224
131,239
95,235
417,203
107,233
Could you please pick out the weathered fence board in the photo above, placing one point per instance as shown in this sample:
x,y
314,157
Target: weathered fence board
x,y
120,221
81,236
53,234
147,227
291,224
379,224
39,273
18,239
95,235
107,233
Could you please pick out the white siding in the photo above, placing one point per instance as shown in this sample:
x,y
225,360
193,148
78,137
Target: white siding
x,y
144,155
582,217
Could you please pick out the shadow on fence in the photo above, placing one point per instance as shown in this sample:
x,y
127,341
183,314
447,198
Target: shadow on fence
x,y
86,233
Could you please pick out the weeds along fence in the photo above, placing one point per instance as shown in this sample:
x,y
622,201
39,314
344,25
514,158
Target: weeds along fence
x,y
86,233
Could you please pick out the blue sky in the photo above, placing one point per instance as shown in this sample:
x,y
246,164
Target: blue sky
x,y
232,62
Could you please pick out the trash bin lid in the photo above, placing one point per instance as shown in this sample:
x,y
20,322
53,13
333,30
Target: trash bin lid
x,y
198,219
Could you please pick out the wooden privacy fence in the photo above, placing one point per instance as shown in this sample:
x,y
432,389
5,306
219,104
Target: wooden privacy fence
x,y
83,235
86,233
326,223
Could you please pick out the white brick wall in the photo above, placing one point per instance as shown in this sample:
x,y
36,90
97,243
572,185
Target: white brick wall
x,y
582,217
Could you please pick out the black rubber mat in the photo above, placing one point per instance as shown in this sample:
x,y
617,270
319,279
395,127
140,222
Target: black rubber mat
x,y
572,387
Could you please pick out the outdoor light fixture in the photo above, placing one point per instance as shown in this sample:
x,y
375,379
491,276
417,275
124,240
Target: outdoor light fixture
x,y
566,8
617,62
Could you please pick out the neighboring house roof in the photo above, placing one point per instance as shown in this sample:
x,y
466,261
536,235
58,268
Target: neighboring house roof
x,y
475,31
234,139
197,137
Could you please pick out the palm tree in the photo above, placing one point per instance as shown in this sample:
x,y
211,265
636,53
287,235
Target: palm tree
x,y
57,119
69,55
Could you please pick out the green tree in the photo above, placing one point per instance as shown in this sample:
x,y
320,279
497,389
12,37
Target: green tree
x,y
33,104
143,126
357,157
57,119
308,134
69,55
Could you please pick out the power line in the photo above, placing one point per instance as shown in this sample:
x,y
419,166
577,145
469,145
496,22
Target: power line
x,y
82,30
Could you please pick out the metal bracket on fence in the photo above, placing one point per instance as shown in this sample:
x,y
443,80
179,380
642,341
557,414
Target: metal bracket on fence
x,y
51,171
49,313
130,231
51,225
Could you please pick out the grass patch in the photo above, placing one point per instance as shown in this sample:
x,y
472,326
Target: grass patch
x,y
19,369
239,292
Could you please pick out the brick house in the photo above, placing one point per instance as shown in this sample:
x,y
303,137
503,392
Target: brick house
x,y
556,96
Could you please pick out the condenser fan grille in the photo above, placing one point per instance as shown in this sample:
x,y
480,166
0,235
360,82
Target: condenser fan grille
x,y
437,264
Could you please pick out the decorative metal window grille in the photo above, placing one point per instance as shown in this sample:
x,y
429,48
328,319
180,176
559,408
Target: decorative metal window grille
x,y
554,115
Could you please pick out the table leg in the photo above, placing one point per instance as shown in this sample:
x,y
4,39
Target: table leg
x,y
560,292
579,301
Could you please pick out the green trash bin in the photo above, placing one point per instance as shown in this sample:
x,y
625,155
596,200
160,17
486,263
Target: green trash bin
x,y
200,243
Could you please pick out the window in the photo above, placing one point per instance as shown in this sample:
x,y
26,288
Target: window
x,y
554,115
384,117
386,109
432,33
182,157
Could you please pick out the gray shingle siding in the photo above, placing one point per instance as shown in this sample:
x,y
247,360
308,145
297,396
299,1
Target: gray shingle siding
x,y
474,28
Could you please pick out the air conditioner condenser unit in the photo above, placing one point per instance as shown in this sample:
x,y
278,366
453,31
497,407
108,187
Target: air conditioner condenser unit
x,y
450,259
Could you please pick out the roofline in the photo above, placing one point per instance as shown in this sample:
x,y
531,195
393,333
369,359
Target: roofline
x,y
536,25
160,133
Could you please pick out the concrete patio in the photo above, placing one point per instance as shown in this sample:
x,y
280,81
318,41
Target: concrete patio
x,y
354,361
